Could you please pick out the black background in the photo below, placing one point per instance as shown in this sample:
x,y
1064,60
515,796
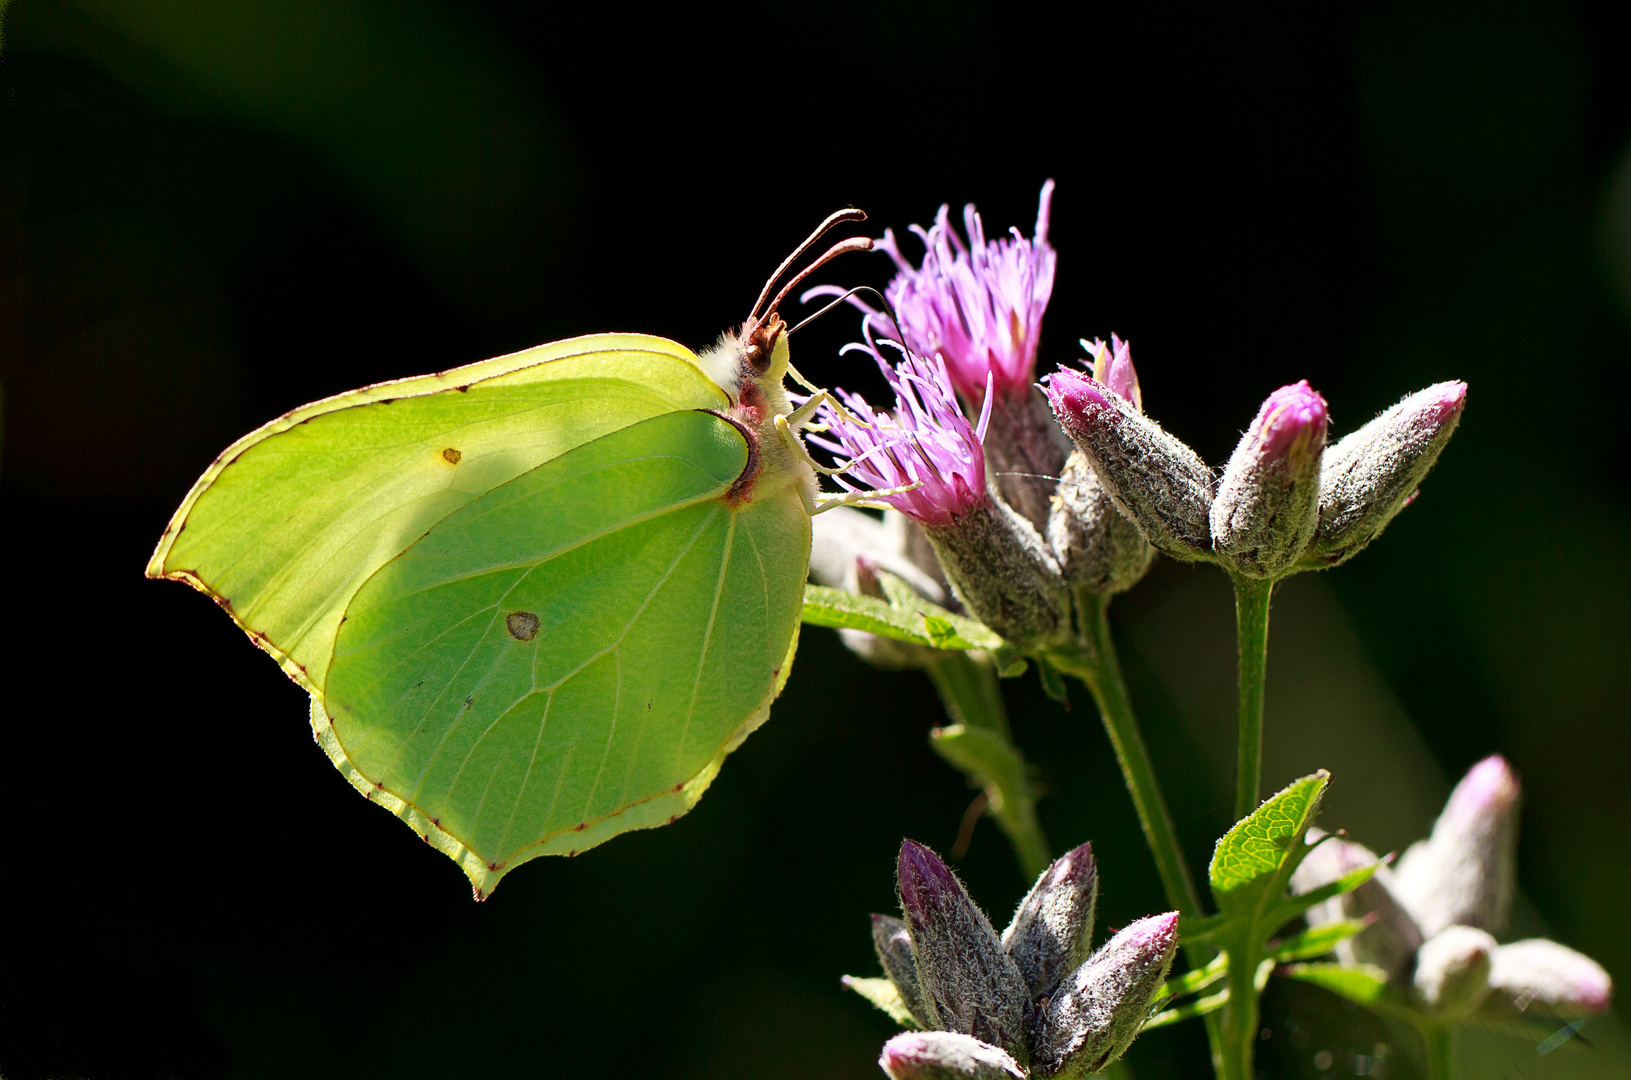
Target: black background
x,y
212,213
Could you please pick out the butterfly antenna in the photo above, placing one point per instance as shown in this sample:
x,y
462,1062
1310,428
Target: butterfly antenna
x,y
854,243
834,218
887,312
808,319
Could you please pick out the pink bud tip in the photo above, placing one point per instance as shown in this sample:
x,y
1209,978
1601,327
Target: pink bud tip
x,y
1291,417
922,876
1444,400
1074,394
1155,932
1490,787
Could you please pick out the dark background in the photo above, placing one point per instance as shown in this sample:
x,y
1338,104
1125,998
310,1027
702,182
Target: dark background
x,y
210,213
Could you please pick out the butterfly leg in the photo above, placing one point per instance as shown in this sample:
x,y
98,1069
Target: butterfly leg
x,y
815,503
800,416
857,498
785,428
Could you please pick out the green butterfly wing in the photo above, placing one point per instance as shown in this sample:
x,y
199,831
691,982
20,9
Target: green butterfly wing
x,y
530,609
291,519
572,655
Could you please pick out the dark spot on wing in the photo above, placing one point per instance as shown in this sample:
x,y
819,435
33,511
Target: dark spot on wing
x,y
523,625
451,455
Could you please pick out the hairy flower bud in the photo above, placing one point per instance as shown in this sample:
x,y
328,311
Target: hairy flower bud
x,y
1101,1007
893,943
1392,938
1544,979
1452,971
1097,548
946,1055
1159,483
1464,874
968,983
1024,451
1052,932
1267,504
1003,573
1372,474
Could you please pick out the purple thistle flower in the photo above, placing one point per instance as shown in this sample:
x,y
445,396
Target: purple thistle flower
x,y
926,441
977,304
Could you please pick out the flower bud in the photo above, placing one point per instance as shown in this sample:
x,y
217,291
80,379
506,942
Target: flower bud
x,y
1392,938
1097,548
1372,474
1003,573
1024,451
1545,980
1102,1006
1159,483
894,945
1464,874
968,983
1113,366
946,1055
1452,971
1267,504
1052,932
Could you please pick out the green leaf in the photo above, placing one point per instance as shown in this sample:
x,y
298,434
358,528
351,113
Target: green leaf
x,y
899,592
1053,684
1255,856
984,755
1199,1007
942,633
885,995
1009,664
1292,906
1199,979
1363,984
1317,941
1192,929
836,608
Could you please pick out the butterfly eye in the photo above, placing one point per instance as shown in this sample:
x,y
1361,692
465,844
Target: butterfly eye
x,y
759,342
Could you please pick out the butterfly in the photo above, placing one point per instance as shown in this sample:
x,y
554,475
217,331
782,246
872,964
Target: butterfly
x,y
536,600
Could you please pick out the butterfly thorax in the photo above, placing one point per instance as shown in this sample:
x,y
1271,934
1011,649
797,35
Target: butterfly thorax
x,y
750,366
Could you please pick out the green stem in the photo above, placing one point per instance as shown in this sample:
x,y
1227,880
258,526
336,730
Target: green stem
x,y
1240,1017
1098,667
968,689
1252,632
1440,1039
